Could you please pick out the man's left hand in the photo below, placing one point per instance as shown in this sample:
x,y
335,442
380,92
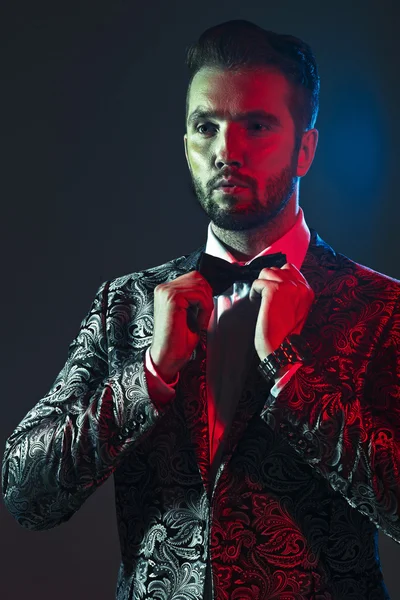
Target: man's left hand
x,y
286,299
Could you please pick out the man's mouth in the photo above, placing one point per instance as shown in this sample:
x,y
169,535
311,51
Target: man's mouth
x,y
231,188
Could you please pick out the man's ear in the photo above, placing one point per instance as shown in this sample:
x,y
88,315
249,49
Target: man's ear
x,y
307,151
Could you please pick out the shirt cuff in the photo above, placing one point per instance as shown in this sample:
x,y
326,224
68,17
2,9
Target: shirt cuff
x,y
281,381
160,392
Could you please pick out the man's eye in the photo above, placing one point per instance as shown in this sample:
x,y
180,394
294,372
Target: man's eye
x,y
252,126
257,125
200,126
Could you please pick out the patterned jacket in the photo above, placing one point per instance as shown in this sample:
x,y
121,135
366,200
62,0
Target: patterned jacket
x,y
306,477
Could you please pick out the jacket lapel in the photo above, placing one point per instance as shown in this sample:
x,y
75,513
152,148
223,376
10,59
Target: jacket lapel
x,y
191,388
192,391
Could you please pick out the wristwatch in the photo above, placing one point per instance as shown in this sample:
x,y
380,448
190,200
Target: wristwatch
x,y
293,349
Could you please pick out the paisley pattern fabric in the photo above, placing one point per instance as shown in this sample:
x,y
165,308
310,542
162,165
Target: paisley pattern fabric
x,y
306,478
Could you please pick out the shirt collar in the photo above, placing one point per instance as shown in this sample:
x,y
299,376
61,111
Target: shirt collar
x,y
294,244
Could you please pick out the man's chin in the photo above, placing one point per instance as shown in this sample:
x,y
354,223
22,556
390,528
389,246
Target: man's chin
x,y
237,222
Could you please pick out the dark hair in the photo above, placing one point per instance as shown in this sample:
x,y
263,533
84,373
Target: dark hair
x,y
241,44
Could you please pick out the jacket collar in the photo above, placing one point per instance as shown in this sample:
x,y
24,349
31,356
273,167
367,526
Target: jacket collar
x,y
319,263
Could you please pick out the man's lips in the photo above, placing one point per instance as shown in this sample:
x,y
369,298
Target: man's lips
x,y
231,182
231,189
231,185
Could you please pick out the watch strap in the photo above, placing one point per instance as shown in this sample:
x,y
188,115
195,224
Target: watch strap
x,y
293,349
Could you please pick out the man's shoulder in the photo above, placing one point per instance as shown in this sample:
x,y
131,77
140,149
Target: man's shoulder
x,y
152,276
342,268
367,273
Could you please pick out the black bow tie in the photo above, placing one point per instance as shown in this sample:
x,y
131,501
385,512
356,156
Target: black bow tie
x,y
221,274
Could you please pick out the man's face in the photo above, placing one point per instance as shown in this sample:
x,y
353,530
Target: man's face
x,y
258,149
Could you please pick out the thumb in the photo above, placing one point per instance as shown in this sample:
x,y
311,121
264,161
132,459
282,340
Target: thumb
x,y
204,317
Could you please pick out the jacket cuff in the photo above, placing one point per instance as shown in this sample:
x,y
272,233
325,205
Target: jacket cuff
x,y
160,392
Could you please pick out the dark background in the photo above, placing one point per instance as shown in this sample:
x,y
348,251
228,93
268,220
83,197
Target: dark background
x,y
94,185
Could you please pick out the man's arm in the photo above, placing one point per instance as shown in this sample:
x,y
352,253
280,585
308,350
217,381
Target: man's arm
x,y
346,425
73,439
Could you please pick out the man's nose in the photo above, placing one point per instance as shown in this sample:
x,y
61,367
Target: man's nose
x,y
229,148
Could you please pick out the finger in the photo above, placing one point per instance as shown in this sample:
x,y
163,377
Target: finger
x,y
203,316
205,306
197,298
276,274
285,273
289,267
266,288
298,275
199,280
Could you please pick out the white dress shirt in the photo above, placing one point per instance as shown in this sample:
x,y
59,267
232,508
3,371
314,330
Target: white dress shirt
x,y
230,338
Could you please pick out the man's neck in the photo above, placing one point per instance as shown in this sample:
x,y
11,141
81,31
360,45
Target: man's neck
x,y
244,245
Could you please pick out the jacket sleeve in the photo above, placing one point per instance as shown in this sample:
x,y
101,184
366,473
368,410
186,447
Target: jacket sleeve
x,y
345,423
72,440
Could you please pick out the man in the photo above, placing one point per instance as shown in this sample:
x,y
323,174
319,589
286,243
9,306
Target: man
x,y
246,403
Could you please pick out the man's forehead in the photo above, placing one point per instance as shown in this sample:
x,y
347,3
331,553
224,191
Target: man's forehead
x,y
233,92
216,77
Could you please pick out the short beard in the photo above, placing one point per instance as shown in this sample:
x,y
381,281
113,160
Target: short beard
x,y
277,194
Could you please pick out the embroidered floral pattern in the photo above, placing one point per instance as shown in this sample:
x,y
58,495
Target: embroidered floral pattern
x,y
306,477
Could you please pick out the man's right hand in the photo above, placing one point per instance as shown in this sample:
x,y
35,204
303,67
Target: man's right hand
x,y
182,308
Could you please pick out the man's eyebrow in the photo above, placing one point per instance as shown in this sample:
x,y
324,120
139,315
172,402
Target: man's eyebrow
x,y
203,114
